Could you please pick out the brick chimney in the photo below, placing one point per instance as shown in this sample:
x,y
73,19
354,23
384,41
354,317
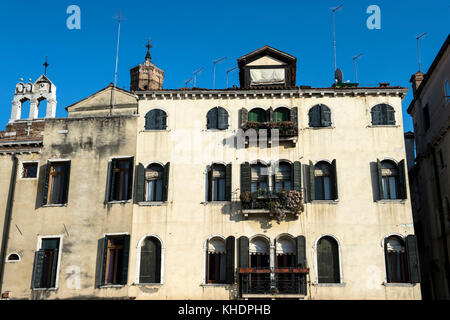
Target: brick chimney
x,y
416,80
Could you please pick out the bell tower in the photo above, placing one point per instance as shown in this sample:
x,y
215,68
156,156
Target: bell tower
x,y
146,76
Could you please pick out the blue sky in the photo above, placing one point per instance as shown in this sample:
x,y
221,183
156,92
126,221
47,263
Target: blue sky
x,y
188,35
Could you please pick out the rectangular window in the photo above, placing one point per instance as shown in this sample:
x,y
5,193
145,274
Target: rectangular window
x,y
216,267
218,189
121,179
29,170
46,264
58,182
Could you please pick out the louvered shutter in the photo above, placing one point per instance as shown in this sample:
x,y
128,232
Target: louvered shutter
x,y
140,183
211,119
230,243
301,252
380,180
376,115
294,116
413,259
335,180
243,243
228,181
66,181
402,180
161,118
296,176
46,183
314,116
150,120
312,187
104,257
125,256
390,114
325,116
244,118
38,268
245,177
166,181
130,177
222,118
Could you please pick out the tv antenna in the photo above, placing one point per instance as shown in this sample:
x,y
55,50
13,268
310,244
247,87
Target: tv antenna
x,y
187,81
334,34
228,71
195,76
113,92
214,73
418,50
356,72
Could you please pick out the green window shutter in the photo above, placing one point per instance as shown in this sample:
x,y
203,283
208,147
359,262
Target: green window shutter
x,y
230,243
66,181
228,175
130,177
243,244
245,177
380,180
402,180
222,118
100,268
113,180
325,116
390,115
140,183
160,119
166,181
104,258
294,116
244,117
314,116
210,183
301,252
54,267
108,182
46,182
296,176
38,268
125,256
211,119
413,259
377,118
334,179
312,180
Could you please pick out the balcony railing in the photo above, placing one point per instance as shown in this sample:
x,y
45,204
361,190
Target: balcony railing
x,y
286,129
280,282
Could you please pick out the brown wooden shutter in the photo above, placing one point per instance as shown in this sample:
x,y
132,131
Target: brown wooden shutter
x,y
312,180
230,243
413,259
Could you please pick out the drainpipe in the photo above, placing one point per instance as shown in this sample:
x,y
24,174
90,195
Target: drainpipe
x,y
7,222
441,221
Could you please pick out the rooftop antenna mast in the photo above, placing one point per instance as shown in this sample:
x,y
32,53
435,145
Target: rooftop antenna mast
x,y
354,60
418,50
214,74
113,92
228,71
189,80
195,76
334,35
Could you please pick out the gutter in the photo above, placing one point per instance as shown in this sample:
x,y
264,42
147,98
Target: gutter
x,y
7,222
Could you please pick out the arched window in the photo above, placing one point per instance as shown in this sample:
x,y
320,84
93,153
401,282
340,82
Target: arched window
x,y
216,261
257,115
328,260
217,182
383,114
259,178
285,252
389,178
323,181
283,177
217,118
156,119
319,116
281,114
396,263
13,257
150,261
154,182
259,253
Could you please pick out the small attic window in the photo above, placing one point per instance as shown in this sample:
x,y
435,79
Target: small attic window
x,y
13,257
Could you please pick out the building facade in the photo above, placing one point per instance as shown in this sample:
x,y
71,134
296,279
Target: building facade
x,y
430,175
266,190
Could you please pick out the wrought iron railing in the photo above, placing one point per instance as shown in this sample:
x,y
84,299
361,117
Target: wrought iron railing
x,y
285,128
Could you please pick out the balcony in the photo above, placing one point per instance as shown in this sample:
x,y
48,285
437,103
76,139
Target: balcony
x,y
287,130
274,204
281,283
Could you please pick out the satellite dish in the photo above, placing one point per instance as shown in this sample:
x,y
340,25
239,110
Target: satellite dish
x,y
338,76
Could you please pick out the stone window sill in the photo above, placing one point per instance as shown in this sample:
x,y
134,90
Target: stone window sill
x,y
325,201
383,126
215,285
217,130
147,284
152,203
388,284
215,203
318,128
106,286
55,205
44,289
402,201
118,201
329,284
156,130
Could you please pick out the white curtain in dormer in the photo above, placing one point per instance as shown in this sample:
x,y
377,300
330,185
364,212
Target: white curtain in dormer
x,y
266,76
